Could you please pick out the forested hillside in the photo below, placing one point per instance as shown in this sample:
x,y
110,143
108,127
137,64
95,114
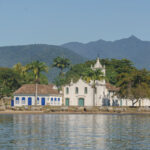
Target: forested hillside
x,y
11,55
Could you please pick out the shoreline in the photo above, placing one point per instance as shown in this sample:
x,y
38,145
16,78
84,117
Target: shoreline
x,y
65,112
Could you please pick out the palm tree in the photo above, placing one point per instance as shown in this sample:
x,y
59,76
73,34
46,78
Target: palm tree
x,y
22,70
61,63
93,76
37,67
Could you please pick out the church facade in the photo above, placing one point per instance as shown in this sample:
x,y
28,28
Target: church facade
x,y
82,93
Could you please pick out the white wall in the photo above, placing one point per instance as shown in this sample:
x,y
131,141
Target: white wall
x,y
73,97
47,100
88,98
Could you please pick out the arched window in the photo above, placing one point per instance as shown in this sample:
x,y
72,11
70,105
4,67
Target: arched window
x,y
17,100
23,100
76,90
67,90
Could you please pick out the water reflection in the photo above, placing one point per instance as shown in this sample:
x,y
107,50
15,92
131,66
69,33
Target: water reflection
x,y
74,132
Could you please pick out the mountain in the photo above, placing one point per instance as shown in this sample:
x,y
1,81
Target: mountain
x,y
131,48
10,55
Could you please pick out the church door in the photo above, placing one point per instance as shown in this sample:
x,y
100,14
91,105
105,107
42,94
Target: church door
x,y
81,102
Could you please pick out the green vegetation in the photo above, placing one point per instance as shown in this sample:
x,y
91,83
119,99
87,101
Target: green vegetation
x,y
36,68
114,67
61,63
9,81
12,78
135,85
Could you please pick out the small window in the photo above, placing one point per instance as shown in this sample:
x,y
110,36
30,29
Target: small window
x,y
76,90
23,100
85,90
17,100
67,90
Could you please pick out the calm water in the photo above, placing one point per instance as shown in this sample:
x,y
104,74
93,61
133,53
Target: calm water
x,y
49,131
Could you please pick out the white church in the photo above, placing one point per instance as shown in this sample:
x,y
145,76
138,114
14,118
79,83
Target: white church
x,y
82,93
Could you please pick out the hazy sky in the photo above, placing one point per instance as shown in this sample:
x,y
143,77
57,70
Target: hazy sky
x,y
60,21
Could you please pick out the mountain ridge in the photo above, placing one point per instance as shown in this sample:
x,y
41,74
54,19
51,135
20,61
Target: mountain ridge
x,y
131,48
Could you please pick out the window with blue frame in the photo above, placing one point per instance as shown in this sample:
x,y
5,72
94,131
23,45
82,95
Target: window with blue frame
x,y
51,100
23,100
38,100
17,100
55,100
58,100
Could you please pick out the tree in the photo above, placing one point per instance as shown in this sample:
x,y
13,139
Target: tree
x,y
37,67
61,63
22,70
9,81
92,76
114,67
134,86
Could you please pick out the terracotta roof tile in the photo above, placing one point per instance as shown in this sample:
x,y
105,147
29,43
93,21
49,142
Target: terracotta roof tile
x,y
41,89
110,87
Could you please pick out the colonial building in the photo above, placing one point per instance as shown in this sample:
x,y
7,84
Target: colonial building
x,y
82,93
46,95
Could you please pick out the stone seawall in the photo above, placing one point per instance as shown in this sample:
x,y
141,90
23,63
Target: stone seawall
x,y
64,109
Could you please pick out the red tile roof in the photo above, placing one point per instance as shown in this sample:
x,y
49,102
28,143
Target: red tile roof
x,y
41,89
110,87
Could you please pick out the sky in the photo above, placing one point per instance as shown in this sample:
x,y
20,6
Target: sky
x,y
60,21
